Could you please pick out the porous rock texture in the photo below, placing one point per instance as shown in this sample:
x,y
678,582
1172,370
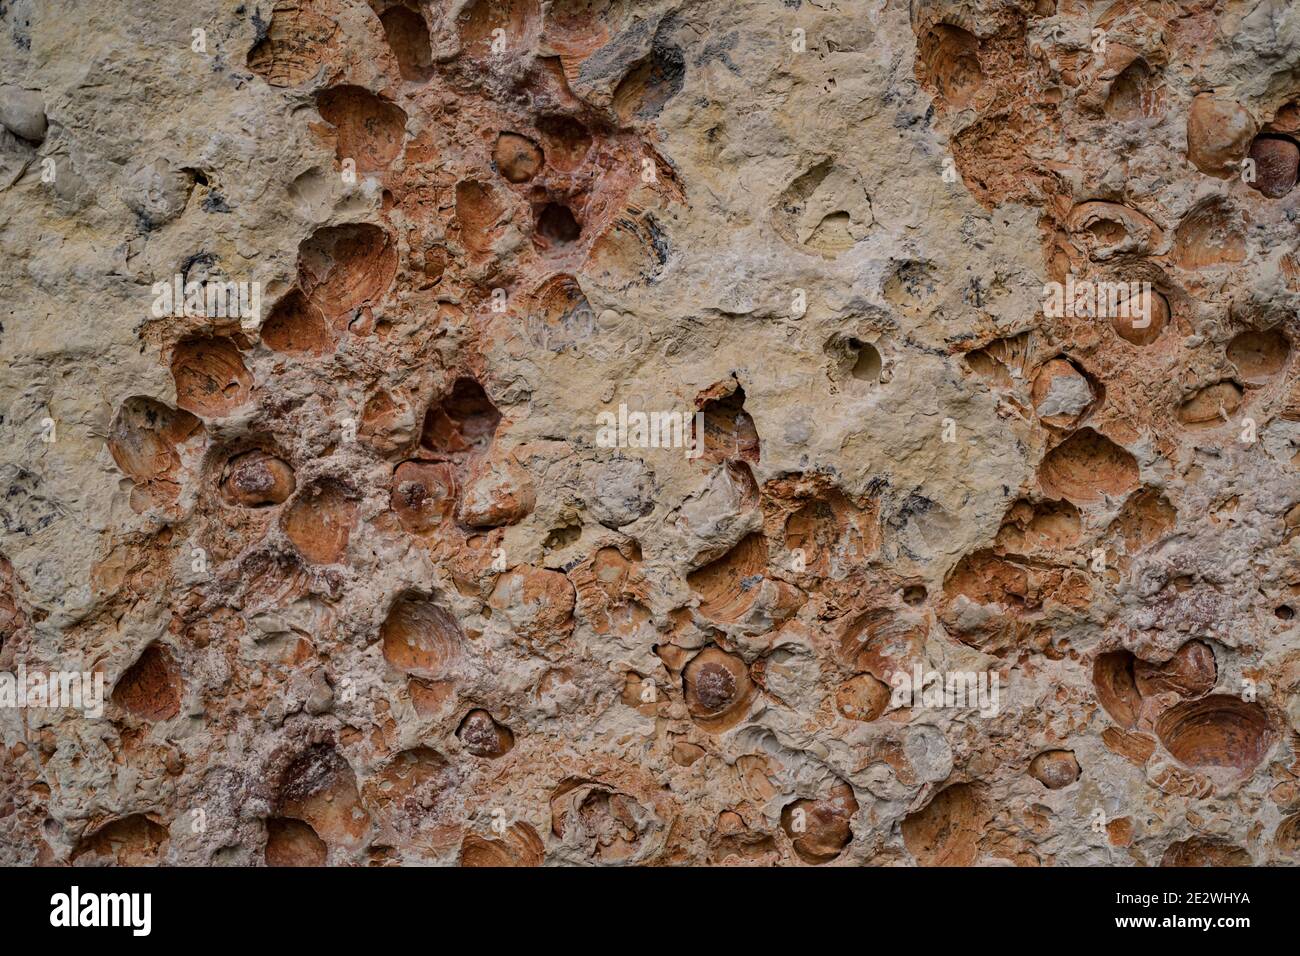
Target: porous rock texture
x,y
365,588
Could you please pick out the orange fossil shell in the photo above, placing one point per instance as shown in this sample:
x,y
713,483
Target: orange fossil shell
x,y
370,131
320,789
820,829
947,830
1054,769
292,842
319,522
718,689
151,687
421,638
296,326
135,840
256,479
1219,134
517,157
519,846
862,697
210,376
341,268
1087,466
296,43
1116,685
423,494
482,736
1217,733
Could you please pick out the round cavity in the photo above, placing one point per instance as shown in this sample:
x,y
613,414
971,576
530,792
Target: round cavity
x,y
1217,732
867,366
556,224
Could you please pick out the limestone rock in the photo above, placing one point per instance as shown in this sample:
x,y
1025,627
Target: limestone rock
x,y
650,433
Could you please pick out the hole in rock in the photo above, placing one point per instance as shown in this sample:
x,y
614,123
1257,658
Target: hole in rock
x,y
1145,518
484,737
819,830
567,141
477,22
559,538
144,437
1063,394
129,841
575,28
829,533
833,233
632,250
477,214
987,578
1136,93
369,130
408,38
294,46
1212,234
556,224
1287,836
729,430
881,642
724,586
1003,362
462,424
949,56
1201,851
947,830
520,847
319,788
1217,732
1211,406
866,367
1038,526
646,89
1191,672
1116,685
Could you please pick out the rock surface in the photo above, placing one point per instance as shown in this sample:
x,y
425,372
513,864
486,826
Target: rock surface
x,y
618,432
